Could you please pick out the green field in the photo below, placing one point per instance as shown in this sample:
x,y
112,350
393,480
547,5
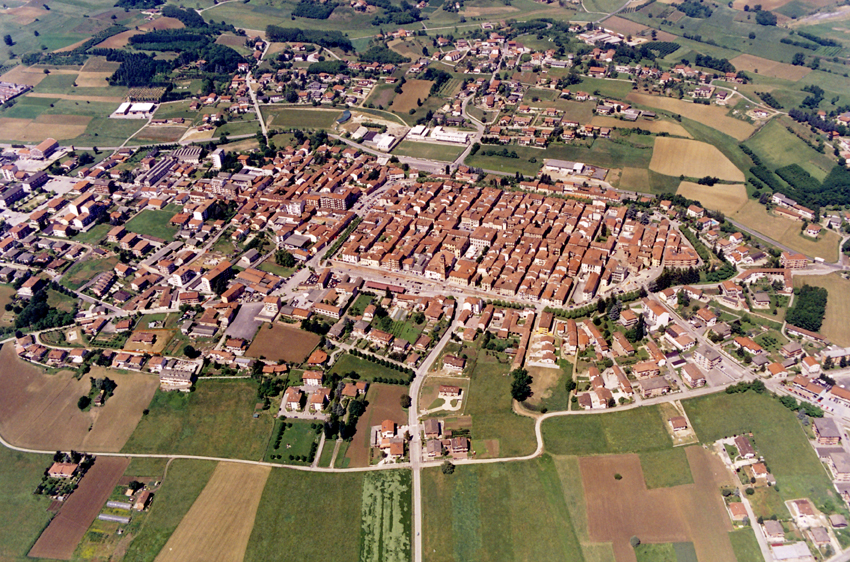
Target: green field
x,y
668,467
504,511
296,441
429,151
745,545
294,502
385,514
94,235
153,223
367,370
84,271
630,431
777,436
182,485
300,118
214,420
23,515
777,147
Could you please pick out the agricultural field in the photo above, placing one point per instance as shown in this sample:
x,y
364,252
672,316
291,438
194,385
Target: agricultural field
x,y
767,67
636,179
412,91
267,343
384,404
429,151
300,118
295,500
385,516
745,545
23,515
220,522
39,410
367,370
710,115
787,232
674,157
778,147
85,270
726,198
60,538
214,420
548,387
472,514
777,436
835,326
658,126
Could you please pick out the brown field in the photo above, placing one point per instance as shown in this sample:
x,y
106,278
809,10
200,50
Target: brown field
x,y
29,130
162,134
674,157
71,47
75,119
620,509
767,67
652,126
162,23
61,537
410,92
835,325
94,80
787,232
40,411
162,339
219,524
117,41
710,115
724,198
768,5
543,380
231,40
384,404
411,50
628,27
26,14
24,75
194,134
283,342
636,179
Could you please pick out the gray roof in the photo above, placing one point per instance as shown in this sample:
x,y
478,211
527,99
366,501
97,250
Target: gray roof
x,y
826,427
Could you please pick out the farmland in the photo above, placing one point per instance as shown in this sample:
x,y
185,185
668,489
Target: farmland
x,y
302,118
835,325
659,126
767,67
60,538
269,340
430,151
674,157
384,404
218,526
367,370
215,420
153,223
308,500
778,147
726,198
710,115
23,515
412,91
385,516
787,231
40,410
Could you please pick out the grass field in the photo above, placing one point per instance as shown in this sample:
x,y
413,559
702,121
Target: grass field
x,y
710,115
214,420
295,442
630,431
472,514
787,232
294,502
85,270
659,126
726,198
267,343
665,468
745,545
777,435
300,118
220,522
835,325
777,147
430,151
674,157
367,370
767,67
23,515
183,484
385,513
153,223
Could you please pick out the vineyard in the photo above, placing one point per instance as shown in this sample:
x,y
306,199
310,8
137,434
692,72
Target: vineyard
x,y
385,516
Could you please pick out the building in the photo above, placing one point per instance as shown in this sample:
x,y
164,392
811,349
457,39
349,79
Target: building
x,y
745,448
826,431
44,149
707,358
62,470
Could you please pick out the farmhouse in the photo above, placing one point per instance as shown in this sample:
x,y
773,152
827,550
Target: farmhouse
x,y
62,470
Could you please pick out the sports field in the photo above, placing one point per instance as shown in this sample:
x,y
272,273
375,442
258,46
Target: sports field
x,y
304,118
726,198
674,157
710,115
40,411
787,232
219,524
835,325
214,420
278,342
767,67
429,151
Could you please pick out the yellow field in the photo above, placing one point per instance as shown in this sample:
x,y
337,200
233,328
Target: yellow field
x,y
636,179
835,325
719,197
219,524
787,232
24,75
651,126
99,77
675,157
767,67
57,126
710,115
410,92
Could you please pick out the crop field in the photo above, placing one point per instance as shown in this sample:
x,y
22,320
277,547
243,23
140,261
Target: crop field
x,y
674,157
84,271
745,545
300,118
214,420
787,232
411,91
60,538
778,147
153,223
726,198
710,115
24,75
385,513
23,515
835,325
219,524
384,404
283,342
430,151
767,67
367,370
777,436
40,411
658,126
618,509
295,501
636,179
62,127
473,513
161,134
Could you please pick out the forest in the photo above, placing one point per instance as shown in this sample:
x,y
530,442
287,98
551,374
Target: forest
x,y
809,308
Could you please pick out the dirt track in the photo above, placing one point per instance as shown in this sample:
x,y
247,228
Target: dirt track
x,y
64,532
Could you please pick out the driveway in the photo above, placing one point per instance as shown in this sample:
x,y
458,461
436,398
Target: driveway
x,y
244,326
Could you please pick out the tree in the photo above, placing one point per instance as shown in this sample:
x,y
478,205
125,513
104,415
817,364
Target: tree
x,y
8,40
405,401
521,385
83,402
284,259
448,468
190,352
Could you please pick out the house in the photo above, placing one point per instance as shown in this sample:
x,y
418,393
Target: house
x,y
773,530
653,386
810,367
737,511
319,399
453,363
387,429
678,423
292,398
431,427
449,392
839,464
62,470
142,500
313,378
693,376
826,431
745,448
